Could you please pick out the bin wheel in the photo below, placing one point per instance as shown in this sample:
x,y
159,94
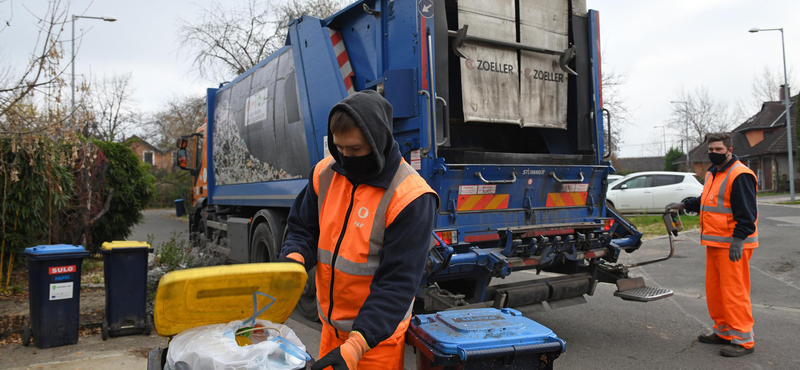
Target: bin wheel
x,y
26,335
104,329
148,324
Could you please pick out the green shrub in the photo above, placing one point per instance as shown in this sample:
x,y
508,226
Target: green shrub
x,y
170,186
133,189
35,188
174,254
674,154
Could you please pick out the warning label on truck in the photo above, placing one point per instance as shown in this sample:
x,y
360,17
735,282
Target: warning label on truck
x,y
477,189
416,161
574,188
61,291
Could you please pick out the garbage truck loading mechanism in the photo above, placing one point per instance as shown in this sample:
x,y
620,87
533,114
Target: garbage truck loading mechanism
x,y
499,108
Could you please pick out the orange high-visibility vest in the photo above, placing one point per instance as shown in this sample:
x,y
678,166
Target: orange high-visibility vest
x,y
716,214
352,222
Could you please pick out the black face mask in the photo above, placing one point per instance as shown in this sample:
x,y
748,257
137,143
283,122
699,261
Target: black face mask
x,y
357,167
717,158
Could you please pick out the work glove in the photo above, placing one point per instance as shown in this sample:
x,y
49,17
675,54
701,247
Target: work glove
x,y
346,356
293,257
674,206
735,251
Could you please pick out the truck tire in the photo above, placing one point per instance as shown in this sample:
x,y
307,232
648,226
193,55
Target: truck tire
x,y
307,305
267,240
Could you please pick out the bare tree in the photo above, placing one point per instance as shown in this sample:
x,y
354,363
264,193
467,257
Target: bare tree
x,y
766,87
696,113
227,41
113,107
180,116
616,104
42,75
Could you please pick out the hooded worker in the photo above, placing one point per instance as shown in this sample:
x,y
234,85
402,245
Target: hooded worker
x,y
365,221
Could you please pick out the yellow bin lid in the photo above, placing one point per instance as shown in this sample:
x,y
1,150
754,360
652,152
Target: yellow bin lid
x,y
124,244
214,295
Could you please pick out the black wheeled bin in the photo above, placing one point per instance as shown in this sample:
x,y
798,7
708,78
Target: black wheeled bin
x,y
125,267
484,338
54,287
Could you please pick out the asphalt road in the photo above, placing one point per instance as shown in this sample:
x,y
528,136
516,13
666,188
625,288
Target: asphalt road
x,y
615,334
161,224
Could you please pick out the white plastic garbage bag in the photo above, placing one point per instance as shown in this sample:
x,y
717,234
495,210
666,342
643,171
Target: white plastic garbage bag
x,y
213,347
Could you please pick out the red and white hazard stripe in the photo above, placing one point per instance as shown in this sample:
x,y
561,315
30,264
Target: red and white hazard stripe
x,y
343,59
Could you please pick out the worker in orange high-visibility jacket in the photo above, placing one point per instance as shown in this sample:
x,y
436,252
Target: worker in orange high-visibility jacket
x,y
729,230
365,220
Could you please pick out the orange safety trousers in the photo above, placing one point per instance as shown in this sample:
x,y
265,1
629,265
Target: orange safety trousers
x,y
387,355
728,293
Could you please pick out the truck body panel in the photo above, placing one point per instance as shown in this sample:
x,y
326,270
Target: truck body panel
x,y
512,144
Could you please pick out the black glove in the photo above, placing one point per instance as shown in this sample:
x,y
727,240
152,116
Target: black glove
x,y
735,251
674,206
333,359
354,347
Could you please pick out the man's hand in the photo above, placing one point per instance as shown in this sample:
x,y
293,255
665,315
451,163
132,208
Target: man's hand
x,y
674,206
346,356
735,251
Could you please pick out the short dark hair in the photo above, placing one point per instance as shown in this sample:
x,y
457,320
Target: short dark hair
x,y
725,138
341,122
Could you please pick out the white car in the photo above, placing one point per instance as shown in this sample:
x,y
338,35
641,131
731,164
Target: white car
x,y
612,178
652,191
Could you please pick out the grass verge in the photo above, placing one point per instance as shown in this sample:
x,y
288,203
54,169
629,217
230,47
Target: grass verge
x,y
790,202
653,225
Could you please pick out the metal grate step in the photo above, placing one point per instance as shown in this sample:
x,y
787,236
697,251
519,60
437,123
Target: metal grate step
x,y
643,294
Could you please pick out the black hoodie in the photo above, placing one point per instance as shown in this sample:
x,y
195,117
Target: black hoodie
x,y
373,115
404,253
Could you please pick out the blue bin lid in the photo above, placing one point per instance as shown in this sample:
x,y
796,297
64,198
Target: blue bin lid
x,y
57,250
460,331
178,201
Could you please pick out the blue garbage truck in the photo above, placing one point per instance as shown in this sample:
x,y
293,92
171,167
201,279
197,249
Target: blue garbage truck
x,y
497,104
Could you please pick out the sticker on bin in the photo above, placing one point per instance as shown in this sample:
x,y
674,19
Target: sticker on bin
x,y
55,270
61,291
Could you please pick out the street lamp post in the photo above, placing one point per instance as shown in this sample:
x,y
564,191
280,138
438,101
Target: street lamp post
x,y
787,102
106,18
688,146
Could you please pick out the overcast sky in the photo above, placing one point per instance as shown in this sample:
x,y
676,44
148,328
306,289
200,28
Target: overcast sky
x,y
660,45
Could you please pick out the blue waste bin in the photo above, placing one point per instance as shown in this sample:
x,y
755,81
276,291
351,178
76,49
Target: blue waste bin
x,y
54,287
180,209
125,270
485,338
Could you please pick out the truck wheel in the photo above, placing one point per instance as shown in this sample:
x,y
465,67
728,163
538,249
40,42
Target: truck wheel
x,y
266,244
307,306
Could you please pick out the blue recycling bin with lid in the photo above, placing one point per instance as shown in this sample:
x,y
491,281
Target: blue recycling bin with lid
x,y
484,338
180,208
125,270
54,287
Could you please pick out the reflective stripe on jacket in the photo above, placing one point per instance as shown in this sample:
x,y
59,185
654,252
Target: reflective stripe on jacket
x,y
716,214
352,222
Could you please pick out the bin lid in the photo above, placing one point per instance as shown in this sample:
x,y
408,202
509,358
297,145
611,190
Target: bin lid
x,y
124,244
56,251
453,332
220,294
